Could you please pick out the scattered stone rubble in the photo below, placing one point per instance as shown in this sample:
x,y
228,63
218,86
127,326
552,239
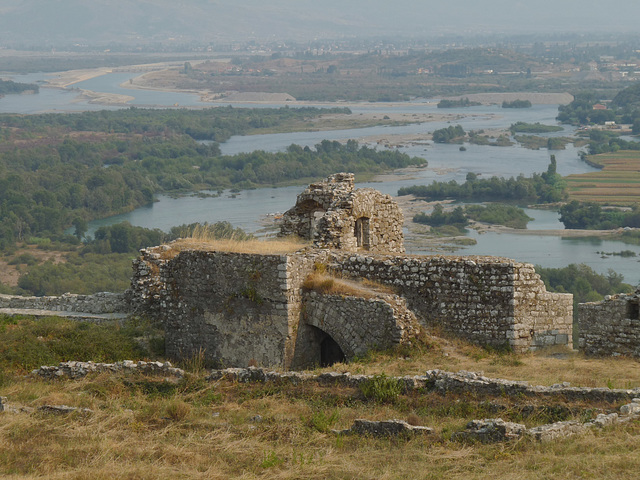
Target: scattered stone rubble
x,y
384,428
486,431
63,409
491,430
81,369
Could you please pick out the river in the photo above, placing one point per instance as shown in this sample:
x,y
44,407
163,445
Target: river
x,y
247,209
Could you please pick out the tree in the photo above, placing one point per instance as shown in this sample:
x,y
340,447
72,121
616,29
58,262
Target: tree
x,y
81,226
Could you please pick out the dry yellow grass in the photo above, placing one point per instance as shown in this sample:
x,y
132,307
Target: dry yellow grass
x,y
257,246
212,430
332,285
151,427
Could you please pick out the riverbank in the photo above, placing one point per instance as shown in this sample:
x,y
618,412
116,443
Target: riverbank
x,y
535,98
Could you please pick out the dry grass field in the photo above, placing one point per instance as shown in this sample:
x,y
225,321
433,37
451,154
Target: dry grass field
x,y
618,183
148,427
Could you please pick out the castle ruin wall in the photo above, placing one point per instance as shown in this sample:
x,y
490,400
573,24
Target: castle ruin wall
x,y
610,327
487,300
357,324
250,309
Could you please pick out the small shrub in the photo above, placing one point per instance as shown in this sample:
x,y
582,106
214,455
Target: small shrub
x,y
195,363
322,422
178,410
271,459
381,389
414,420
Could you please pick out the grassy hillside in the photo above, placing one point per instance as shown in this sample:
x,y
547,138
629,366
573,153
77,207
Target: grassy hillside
x,y
148,427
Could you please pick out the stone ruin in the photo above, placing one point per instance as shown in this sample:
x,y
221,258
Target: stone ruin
x,y
244,309
333,214
610,327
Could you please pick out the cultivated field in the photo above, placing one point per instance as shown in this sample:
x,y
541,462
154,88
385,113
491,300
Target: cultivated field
x,y
618,183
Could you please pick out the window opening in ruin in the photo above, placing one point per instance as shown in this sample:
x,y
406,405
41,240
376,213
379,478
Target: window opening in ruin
x,y
633,310
362,234
330,352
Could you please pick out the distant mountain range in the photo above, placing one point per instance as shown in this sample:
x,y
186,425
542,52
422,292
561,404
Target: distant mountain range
x,y
99,22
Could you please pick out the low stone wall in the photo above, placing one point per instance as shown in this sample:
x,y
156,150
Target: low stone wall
x,y
542,318
98,303
440,381
610,327
81,369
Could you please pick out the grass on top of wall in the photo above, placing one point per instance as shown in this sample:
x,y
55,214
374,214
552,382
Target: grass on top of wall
x,y
325,283
277,246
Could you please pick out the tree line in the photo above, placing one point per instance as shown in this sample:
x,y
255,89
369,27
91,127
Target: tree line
x,y
57,169
548,187
8,87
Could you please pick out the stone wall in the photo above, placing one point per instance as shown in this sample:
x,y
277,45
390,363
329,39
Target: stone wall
x,y
233,307
610,327
488,300
249,309
98,303
542,318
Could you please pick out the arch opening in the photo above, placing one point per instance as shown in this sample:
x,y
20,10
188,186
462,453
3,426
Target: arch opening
x,y
330,352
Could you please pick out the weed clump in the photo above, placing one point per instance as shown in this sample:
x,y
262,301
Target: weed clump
x,y
381,388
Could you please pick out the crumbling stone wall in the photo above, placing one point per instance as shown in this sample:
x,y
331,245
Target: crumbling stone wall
x,y
610,327
243,309
334,215
542,318
489,300
103,302
240,309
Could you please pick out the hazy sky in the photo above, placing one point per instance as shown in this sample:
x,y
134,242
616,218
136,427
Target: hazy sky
x,y
95,21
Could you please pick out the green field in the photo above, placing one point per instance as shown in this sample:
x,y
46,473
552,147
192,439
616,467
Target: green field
x,y
618,183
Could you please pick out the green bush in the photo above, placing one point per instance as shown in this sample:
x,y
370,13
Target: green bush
x,y
381,389
26,343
